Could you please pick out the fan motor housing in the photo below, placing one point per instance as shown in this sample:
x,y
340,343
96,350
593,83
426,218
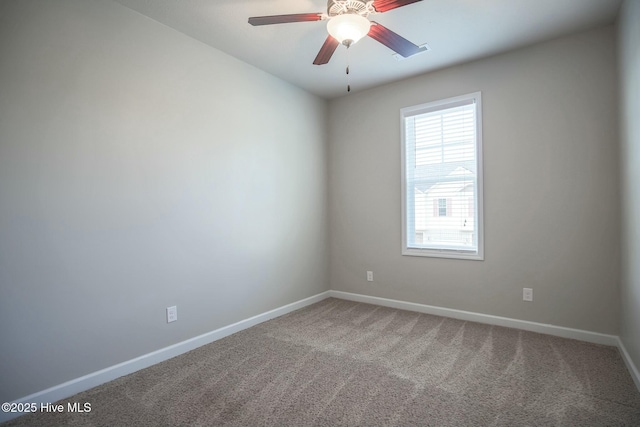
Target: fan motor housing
x,y
358,7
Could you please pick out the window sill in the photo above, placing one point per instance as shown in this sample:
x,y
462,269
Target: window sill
x,y
444,253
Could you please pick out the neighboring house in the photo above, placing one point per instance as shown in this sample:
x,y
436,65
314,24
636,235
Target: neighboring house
x,y
445,210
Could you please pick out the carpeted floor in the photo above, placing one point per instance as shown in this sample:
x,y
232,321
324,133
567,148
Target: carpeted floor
x,y
341,363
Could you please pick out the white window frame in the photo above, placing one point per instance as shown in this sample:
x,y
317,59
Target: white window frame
x,y
479,217
440,208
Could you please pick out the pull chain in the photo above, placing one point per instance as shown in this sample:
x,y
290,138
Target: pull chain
x,y
347,71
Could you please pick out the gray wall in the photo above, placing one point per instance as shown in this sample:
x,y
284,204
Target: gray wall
x,y
551,186
141,169
629,65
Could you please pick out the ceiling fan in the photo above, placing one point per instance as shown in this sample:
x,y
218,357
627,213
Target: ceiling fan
x,y
347,23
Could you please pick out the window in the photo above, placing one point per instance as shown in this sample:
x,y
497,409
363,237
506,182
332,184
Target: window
x,y
442,207
442,178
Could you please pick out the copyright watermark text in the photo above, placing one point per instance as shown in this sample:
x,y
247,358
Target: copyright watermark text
x,y
23,408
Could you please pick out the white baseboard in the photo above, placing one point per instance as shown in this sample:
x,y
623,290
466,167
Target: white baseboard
x,y
559,331
633,369
69,388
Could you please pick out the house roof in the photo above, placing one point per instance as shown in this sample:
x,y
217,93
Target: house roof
x,y
429,177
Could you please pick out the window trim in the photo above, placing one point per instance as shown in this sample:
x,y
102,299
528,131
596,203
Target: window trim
x,y
433,106
442,208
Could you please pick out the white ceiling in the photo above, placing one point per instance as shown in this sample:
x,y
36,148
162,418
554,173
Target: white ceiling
x,y
456,31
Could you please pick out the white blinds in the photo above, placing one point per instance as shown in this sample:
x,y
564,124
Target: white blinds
x,y
441,176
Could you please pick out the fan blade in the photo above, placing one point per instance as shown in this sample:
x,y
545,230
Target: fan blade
x,y
384,5
326,51
283,19
393,41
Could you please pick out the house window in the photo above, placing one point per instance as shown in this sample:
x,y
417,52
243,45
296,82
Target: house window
x,y
442,178
442,207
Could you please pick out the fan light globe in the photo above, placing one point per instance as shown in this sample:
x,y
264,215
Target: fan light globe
x,y
348,28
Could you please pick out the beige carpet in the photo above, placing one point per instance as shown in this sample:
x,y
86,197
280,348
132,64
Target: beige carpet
x,y
342,363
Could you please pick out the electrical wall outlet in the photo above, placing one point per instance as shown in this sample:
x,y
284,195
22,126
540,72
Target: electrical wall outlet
x,y
172,314
369,276
527,294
